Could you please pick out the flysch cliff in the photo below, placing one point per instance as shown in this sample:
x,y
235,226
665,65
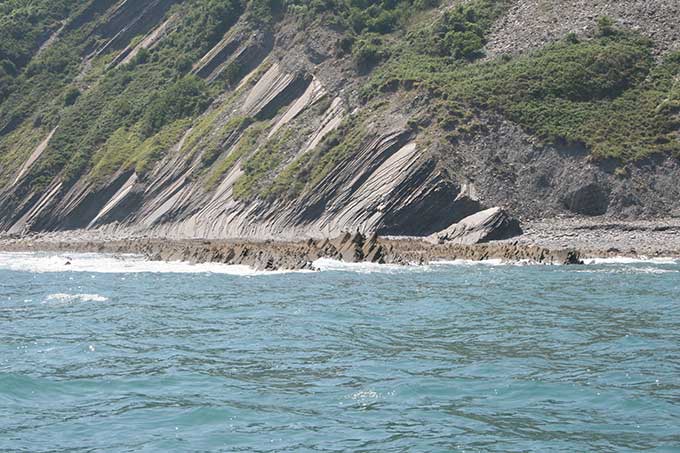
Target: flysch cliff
x,y
289,148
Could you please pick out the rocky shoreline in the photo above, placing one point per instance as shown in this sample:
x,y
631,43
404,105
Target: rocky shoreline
x,y
273,255
556,241
595,237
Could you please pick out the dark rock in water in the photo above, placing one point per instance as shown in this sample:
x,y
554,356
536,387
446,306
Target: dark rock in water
x,y
489,225
573,257
591,200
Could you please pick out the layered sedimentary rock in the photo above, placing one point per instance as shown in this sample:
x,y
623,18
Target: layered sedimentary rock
x,y
289,149
485,226
300,255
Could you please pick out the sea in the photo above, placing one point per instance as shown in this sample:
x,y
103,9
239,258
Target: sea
x,y
117,354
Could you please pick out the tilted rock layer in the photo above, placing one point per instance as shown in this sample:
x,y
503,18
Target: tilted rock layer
x,y
288,150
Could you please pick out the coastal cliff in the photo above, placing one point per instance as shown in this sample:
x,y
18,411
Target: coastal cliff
x,y
295,120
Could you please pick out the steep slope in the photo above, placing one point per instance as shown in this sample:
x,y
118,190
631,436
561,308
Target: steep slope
x,y
221,119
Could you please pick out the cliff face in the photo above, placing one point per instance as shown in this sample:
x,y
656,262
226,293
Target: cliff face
x,y
156,117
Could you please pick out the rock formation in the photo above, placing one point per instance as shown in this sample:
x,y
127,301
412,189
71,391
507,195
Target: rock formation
x,y
295,143
489,225
300,255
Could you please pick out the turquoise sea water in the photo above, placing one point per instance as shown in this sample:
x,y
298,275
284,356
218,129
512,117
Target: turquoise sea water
x,y
105,356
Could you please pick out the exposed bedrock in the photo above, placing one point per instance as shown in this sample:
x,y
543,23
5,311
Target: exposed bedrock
x,y
590,199
300,255
391,186
507,167
438,202
129,19
489,225
293,96
531,23
148,42
242,48
83,205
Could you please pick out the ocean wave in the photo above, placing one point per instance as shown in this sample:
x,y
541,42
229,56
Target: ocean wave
x,y
118,264
627,270
631,260
489,262
40,262
328,264
65,298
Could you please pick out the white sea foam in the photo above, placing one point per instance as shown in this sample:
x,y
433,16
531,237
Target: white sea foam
x,y
65,298
628,269
365,395
491,262
127,263
327,264
110,264
631,260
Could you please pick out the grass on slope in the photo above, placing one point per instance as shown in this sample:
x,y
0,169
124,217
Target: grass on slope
x,y
606,93
24,26
246,144
151,93
312,167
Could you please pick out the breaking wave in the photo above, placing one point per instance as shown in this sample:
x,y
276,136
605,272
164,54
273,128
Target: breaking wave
x,y
631,260
66,298
113,264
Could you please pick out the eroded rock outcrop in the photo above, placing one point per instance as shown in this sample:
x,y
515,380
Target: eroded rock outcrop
x,y
484,226
301,255
270,158
590,199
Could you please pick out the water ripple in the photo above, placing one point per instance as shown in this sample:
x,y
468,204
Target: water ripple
x,y
443,358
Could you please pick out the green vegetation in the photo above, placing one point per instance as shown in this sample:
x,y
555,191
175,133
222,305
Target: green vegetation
x,y
368,51
290,182
246,145
24,26
600,94
141,98
604,93
186,97
360,16
336,148
16,147
311,167
365,23
460,32
128,150
261,164
223,136
105,113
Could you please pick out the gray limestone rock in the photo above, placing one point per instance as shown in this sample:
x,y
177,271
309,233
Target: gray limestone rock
x,y
590,200
484,226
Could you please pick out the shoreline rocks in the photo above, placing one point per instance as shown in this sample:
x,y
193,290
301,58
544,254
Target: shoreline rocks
x,y
552,241
484,226
271,255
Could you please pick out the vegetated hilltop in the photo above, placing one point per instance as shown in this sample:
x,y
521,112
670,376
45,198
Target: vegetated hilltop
x,y
295,118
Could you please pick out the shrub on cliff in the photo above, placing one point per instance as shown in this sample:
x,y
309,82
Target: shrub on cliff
x,y
187,97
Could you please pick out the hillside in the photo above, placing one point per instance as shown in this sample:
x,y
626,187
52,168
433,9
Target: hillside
x,y
302,118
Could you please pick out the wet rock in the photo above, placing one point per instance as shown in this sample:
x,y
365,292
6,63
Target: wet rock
x,y
489,225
